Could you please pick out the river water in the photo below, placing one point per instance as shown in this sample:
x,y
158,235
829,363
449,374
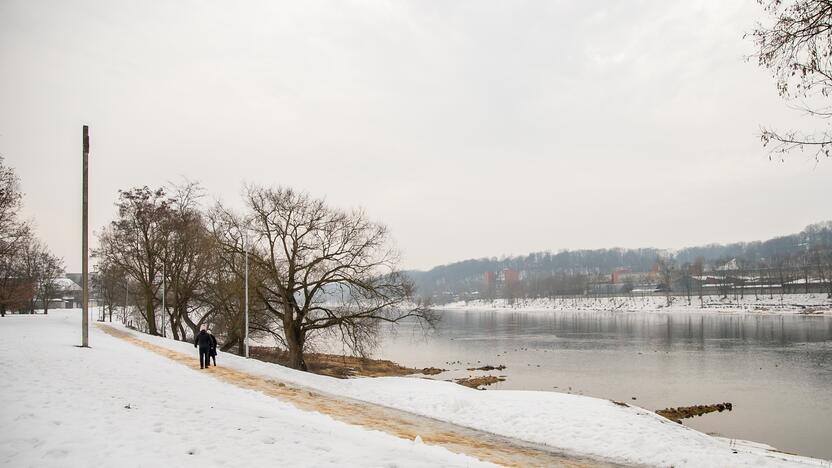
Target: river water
x,y
775,369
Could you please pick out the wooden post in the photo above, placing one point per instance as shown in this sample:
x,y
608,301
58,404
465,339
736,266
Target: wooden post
x,y
85,283
245,251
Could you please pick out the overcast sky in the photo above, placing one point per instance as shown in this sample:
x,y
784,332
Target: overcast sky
x,y
471,128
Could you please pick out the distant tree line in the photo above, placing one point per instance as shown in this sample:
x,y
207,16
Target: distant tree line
x,y
27,268
314,272
804,258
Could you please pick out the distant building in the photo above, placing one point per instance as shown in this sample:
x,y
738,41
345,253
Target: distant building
x,y
510,276
68,293
729,266
617,274
490,279
642,280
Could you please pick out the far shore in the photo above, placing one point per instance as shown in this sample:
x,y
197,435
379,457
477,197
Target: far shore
x,y
789,304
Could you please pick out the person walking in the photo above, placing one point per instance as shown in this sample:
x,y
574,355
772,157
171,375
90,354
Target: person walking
x,y
213,347
203,341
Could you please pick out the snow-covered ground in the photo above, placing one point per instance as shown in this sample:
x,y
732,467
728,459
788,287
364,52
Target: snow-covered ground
x,y
570,423
116,404
762,304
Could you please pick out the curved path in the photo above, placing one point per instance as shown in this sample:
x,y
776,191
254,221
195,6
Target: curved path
x,y
482,445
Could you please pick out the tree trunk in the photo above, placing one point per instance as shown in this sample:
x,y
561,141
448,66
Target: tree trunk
x,y
294,340
173,325
241,344
46,305
190,323
150,314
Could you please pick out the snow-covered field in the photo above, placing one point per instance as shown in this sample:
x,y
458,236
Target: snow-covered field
x,y
117,405
762,304
571,423
66,406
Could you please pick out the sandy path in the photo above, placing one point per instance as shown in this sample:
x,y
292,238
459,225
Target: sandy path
x,y
482,445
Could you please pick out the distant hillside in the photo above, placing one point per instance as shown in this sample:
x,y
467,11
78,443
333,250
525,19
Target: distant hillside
x,y
468,274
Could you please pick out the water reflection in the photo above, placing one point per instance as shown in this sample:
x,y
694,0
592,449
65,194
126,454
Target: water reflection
x,y
777,370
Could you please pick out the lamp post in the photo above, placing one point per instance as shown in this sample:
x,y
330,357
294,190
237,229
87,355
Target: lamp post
x,y
164,311
85,286
126,301
245,254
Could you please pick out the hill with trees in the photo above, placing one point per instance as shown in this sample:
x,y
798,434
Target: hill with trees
x,y
811,246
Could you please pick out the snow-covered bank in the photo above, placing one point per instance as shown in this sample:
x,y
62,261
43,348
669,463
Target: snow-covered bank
x,y
810,304
571,423
118,405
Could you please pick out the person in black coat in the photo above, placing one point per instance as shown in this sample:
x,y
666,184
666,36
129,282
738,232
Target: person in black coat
x,y
213,347
203,341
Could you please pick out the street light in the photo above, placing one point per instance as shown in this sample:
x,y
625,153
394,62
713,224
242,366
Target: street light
x,y
164,311
126,300
245,254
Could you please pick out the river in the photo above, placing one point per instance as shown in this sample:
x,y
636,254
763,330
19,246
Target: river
x,y
775,369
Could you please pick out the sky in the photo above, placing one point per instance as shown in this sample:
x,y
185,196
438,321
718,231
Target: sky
x,y
471,129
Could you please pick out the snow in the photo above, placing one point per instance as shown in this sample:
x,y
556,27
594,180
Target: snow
x,y
570,423
118,405
810,281
65,284
759,304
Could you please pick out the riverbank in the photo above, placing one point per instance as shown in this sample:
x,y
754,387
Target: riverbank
x,y
567,423
787,304
340,366
774,368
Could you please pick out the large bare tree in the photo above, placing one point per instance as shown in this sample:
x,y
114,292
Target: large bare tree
x,y
797,49
14,237
134,243
223,294
188,254
324,271
13,232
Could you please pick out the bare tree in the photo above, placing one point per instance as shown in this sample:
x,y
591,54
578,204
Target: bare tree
x,y
135,242
109,285
325,271
16,289
223,294
187,254
698,269
667,274
13,232
42,268
797,50
687,280
13,236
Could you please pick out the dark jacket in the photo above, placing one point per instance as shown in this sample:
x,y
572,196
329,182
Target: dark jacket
x,y
203,340
213,344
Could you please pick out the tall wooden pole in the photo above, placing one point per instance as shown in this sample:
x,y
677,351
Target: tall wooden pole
x,y
85,283
164,286
245,250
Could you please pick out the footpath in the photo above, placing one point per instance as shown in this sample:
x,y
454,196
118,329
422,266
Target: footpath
x,y
484,446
